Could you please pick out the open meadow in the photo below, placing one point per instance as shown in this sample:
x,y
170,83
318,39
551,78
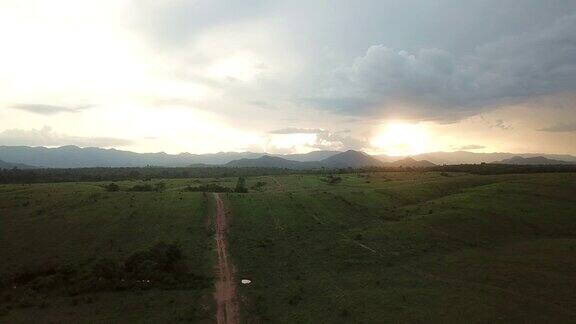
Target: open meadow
x,y
407,247
76,252
366,247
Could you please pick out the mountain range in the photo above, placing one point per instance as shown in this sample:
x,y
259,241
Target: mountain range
x,y
537,160
268,161
348,159
76,157
463,157
6,165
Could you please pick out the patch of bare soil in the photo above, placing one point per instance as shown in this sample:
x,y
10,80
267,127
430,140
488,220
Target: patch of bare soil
x,y
225,294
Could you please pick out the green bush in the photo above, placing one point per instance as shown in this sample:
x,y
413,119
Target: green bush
x,y
258,185
332,179
144,187
210,187
112,187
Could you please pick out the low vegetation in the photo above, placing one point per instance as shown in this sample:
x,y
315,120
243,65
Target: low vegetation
x,y
158,187
161,266
210,187
8,176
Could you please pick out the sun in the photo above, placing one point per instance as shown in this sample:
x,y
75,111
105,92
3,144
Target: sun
x,y
399,139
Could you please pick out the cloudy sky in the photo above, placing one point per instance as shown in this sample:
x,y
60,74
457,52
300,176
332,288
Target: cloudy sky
x,y
392,77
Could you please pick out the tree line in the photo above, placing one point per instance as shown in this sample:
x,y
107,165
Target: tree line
x,y
147,173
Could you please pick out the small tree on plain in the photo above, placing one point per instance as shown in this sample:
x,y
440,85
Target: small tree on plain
x,y
241,185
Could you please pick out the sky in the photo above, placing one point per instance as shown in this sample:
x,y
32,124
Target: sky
x,y
396,77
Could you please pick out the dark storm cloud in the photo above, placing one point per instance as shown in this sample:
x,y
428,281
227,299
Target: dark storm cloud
x,y
48,109
560,128
436,82
435,60
352,26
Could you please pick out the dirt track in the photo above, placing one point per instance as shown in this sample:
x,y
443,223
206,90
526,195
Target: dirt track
x,y
225,294
278,184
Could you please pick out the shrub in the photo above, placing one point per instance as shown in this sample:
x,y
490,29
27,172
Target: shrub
x,y
144,187
160,186
162,265
258,185
332,179
112,187
210,187
107,269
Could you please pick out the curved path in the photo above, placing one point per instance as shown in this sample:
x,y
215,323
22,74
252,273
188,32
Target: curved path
x,y
225,294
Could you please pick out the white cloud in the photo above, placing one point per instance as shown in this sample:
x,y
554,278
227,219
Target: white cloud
x,y
48,109
319,139
560,128
47,137
470,147
294,130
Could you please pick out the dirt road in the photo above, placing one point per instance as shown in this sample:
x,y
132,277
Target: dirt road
x,y
225,294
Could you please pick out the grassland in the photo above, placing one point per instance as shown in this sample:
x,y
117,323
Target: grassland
x,y
408,247
369,247
50,230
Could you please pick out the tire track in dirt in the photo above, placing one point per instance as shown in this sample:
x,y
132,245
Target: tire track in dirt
x,y
278,184
225,294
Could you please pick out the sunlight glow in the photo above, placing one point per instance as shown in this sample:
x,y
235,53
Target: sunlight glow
x,y
397,138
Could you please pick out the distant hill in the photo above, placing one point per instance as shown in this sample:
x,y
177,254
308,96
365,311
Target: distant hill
x,y
411,163
463,157
76,157
268,161
348,159
351,159
6,165
537,160
311,156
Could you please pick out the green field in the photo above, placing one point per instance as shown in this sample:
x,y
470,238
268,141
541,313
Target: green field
x,y
73,226
361,247
402,247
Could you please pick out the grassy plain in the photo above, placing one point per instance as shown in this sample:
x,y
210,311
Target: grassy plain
x,y
373,247
408,247
45,228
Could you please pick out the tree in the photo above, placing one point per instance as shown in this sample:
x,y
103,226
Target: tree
x,y
241,185
160,186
